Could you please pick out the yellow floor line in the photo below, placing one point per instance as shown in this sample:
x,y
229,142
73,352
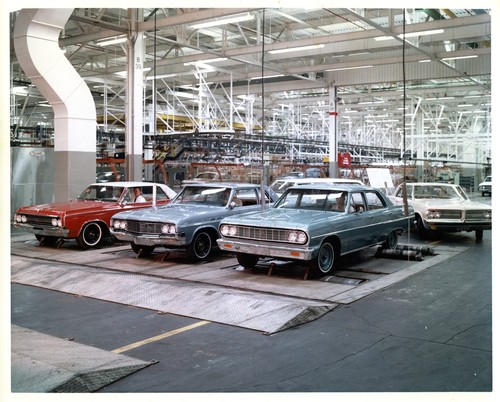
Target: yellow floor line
x,y
159,337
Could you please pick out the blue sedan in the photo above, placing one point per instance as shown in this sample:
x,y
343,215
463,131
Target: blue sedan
x,y
316,224
191,221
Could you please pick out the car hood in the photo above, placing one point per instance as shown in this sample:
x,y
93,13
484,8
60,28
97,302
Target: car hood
x,y
64,208
173,213
449,204
284,218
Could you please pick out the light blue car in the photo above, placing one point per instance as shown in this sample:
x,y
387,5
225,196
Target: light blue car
x,y
190,221
316,224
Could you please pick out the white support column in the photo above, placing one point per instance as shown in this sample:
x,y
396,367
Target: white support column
x,y
333,120
134,113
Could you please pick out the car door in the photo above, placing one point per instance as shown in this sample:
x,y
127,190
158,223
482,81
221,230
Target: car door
x,y
359,232
380,216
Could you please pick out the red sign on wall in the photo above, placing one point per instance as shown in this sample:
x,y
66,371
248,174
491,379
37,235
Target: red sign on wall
x,y
344,159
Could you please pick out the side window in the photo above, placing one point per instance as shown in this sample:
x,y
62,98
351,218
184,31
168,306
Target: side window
x,y
373,201
357,202
160,194
246,197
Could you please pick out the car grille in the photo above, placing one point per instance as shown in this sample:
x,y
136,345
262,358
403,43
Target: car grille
x,y
264,234
445,214
468,216
475,216
38,220
144,227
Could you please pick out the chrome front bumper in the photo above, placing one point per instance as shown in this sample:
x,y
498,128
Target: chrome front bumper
x,y
43,231
150,240
267,250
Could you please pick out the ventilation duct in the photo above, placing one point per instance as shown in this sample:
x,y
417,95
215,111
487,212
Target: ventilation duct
x,y
36,43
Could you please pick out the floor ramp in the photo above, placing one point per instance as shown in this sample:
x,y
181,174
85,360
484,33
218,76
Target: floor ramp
x,y
257,311
43,363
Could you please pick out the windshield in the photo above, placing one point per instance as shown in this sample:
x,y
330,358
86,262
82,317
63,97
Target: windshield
x,y
217,196
323,200
101,193
439,192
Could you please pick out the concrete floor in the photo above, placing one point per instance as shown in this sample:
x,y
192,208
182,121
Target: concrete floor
x,y
417,327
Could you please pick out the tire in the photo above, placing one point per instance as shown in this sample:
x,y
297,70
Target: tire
x,y
325,260
90,236
483,194
479,234
423,232
247,260
143,251
201,246
392,240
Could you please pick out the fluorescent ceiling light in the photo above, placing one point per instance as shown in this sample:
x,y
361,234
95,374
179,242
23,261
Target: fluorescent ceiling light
x,y
223,21
348,68
459,57
267,76
465,105
114,41
204,62
421,33
425,61
296,49
410,34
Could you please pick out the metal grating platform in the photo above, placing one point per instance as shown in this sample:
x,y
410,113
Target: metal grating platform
x,y
257,311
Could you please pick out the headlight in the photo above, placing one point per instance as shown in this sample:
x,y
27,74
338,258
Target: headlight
x,y
433,214
119,224
56,222
297,236
487,215
24,218
168,228
228,230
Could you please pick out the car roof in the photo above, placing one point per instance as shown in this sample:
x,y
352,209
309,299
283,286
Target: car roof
x,y
331,186
222,184
318,180
432,184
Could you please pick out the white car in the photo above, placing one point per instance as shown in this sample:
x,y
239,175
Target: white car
x,y
485,186
444,207
280,185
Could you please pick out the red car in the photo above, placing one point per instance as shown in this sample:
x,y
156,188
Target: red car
x,y
87,218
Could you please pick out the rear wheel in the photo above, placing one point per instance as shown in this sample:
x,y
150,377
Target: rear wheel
x,y
143,251
392,240
201,246
90,236
247,260
325,260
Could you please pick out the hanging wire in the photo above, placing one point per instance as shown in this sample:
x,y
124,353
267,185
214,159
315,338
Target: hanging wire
x,y
262,193
405,194
155,146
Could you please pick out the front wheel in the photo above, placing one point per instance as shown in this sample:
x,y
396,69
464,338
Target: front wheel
x,y
325,260
479,234
423,232
201,246
247,260
90,236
